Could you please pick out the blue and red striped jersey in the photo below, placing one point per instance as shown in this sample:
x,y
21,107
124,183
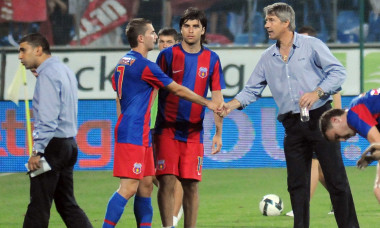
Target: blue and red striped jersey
x,y
135,79
364,112
176,117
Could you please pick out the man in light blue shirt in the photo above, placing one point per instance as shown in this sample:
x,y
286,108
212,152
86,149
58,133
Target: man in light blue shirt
x,y
55,107
301,72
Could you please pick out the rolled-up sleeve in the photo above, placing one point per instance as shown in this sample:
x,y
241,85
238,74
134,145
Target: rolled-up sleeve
x,y
335,73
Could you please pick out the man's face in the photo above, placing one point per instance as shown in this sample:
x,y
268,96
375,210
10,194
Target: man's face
x,y
192,30
28,55
150,37
340,131
275,27
165,41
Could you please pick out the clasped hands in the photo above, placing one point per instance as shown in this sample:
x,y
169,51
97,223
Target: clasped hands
x,y
221,110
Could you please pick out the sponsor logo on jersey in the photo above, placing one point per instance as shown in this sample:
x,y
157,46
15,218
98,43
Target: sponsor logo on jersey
x,y
137,168
161,164
127,61
202,72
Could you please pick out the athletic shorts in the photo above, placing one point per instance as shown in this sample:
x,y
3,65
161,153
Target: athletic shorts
x,y
183,159
133,161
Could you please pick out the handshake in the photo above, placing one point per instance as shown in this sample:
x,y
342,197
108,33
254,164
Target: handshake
x,y
221,110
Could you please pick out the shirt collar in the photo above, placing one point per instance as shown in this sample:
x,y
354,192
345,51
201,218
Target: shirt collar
x,y
45,63
296,44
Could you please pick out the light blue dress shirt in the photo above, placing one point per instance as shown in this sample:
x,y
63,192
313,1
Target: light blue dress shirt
x,y
310,65
55,103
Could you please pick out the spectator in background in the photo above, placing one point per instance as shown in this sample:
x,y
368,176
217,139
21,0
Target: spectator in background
x,y
374,22
17,15
61,21
219,16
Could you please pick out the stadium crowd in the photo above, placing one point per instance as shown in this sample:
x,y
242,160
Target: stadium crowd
x,y
239,22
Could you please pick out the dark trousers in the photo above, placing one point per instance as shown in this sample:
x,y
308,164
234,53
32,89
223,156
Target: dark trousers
x,y
301,139
57,185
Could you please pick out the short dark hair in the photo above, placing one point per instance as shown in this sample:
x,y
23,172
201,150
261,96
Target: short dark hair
x,y
308,29
36,40
168,32
193,13
325,119
136,27
284,12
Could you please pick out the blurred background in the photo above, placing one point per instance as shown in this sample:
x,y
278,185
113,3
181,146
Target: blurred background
x,y
237,22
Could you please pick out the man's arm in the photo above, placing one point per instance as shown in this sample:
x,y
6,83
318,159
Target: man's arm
x,y
118,107
373,135
225,108
187,94
217,98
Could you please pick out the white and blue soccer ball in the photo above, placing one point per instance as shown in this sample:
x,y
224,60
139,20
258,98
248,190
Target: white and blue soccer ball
x,y
271,205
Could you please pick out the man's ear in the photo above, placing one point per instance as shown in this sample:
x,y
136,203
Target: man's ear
x,y
335,119
38,51
140,39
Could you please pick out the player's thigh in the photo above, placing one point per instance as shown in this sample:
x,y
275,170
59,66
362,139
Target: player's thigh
x,y
191,161
167,155
130,161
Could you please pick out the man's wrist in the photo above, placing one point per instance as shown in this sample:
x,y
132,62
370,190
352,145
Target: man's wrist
x,y
320,92
36,153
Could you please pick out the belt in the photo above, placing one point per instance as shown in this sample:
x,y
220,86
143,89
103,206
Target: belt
x,y
315,112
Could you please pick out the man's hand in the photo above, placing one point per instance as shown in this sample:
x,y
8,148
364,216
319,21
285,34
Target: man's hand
x,y
212,106
216,144
223,110
308,99
372,153
34,163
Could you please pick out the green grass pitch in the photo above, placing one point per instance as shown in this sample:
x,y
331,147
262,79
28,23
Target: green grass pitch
x,y
228,198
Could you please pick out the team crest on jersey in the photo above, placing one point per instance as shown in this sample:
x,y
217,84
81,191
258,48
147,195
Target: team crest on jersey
x,y
375,91
127,61
161,164
202,72
137,168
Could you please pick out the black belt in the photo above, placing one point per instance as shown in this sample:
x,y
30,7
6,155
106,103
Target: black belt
x,y
315,112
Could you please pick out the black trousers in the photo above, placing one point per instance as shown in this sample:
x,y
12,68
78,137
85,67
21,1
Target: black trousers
x,y
57,185
301,139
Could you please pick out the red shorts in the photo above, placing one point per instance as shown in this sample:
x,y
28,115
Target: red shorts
x,y
183,159
133,161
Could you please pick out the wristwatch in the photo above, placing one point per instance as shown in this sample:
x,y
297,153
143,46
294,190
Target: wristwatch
x,y
35,153
320,93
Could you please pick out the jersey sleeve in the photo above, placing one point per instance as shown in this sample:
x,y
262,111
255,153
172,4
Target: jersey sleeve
x,y
360,118
153,75
113,82
217,78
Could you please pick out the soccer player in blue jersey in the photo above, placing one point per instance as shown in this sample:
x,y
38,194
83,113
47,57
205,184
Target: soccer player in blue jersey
x,y
134,80
363,117
179,131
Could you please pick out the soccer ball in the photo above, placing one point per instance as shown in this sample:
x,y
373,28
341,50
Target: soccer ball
x,y
271,205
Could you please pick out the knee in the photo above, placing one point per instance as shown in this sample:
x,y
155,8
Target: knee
x,y
127,191
190,186
166,181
